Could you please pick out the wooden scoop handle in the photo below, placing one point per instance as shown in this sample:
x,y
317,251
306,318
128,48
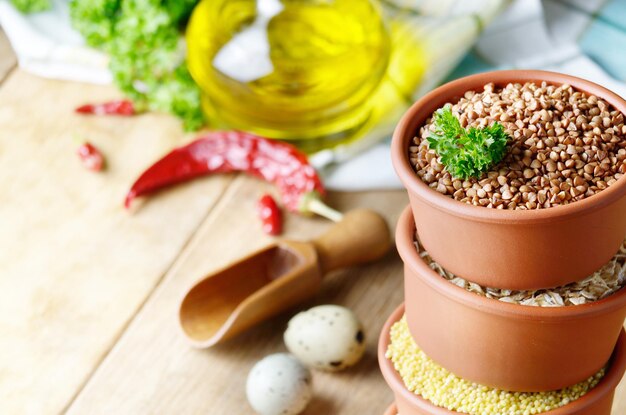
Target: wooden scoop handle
x,y
361,236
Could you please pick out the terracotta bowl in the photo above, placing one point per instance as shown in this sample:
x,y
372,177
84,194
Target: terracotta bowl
x,y
527,347
598,401
392,410
507,248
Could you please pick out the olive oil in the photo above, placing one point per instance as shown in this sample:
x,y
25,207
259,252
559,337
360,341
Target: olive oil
x,y
304,70
324,73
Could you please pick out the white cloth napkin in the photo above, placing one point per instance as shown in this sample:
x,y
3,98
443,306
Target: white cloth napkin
x,y
47,46
530,34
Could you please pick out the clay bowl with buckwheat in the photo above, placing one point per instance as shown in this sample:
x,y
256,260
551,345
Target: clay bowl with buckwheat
x,y
552,211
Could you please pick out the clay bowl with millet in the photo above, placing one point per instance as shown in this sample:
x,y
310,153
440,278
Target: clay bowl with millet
x,y
514,249
598,401
504,345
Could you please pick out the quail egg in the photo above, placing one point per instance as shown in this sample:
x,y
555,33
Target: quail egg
x,y
279,385
327,337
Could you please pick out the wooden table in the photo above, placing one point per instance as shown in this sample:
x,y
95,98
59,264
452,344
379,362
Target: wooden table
x,y
89,292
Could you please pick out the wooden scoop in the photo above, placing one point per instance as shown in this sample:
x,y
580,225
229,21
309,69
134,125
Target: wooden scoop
x,y
275,278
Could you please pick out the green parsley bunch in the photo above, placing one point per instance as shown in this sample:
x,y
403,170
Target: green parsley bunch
x,y
147,53
466,153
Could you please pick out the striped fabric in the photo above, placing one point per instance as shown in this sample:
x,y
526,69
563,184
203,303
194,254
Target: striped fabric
x,y
586,38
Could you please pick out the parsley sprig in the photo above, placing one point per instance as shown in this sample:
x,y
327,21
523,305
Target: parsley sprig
x,y
146,51
466,153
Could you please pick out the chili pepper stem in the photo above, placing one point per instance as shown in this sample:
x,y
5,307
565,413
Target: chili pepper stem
x,y
315,205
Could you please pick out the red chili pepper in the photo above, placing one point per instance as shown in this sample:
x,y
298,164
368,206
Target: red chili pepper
x,y
91,157
233,151
271,217
121,107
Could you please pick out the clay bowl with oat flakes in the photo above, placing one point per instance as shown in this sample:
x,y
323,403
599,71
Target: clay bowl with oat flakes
x,y
597,401
504,345
537,247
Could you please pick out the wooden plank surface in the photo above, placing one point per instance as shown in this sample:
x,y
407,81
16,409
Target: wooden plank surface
x,y
619,403
75,265
153,370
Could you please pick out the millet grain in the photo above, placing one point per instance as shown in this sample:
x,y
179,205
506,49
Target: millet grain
x,y
432,382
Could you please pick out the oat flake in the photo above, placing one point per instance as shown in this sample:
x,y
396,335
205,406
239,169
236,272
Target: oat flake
x,y
604,282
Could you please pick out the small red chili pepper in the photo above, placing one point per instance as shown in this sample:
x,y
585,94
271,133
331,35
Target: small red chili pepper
x,y
233,151
121,107
91,157
270,214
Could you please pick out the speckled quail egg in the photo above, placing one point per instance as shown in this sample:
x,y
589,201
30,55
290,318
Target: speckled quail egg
x,y
279,385
327,337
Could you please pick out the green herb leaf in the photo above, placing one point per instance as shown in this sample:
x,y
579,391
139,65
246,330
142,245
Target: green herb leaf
x,y
466,153
146,50
31,6
95,20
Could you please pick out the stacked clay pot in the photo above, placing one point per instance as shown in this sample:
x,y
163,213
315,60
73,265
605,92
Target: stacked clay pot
x,y
597,401
503,345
